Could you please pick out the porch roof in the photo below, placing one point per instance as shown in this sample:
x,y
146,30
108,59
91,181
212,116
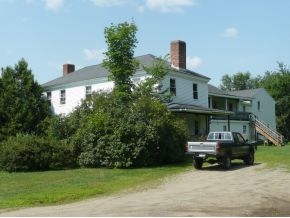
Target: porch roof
x,y
176,107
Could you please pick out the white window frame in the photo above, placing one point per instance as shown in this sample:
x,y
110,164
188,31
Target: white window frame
x,y
62,97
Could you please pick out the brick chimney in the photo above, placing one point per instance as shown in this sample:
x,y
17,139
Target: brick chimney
x,y
178,54
68,68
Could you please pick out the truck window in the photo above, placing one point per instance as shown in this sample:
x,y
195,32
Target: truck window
x,y
228,136
236,139
219,135
210,136
240,137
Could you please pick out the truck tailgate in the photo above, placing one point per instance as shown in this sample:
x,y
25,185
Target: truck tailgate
x,y
201,147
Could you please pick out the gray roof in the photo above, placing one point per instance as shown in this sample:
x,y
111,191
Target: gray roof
x,y
249,93
176,107
214,90
97,71
243,94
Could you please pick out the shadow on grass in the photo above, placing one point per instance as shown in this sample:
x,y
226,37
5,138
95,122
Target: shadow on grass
x,y
235,166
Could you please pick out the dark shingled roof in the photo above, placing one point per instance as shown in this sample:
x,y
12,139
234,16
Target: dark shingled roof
x,y
97,71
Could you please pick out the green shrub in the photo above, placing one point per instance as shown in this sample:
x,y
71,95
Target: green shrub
x,y
33,153
140,133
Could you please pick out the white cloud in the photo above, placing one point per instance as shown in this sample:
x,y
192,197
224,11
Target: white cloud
x,y
108,3
230,32
166,6
54,5
193,62
94,54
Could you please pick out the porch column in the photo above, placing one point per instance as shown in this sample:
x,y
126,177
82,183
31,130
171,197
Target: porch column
x,y
207,124
210,102
226,104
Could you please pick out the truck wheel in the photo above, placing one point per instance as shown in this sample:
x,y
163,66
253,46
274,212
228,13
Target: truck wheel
x,y
227,162
250,158
197,163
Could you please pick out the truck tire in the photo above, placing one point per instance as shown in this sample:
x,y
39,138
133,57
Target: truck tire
x,y
250,158
226,162
197,163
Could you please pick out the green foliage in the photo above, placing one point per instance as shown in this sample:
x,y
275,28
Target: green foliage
x,y
21,105
239,81
30,153
121,40
141,133
152,85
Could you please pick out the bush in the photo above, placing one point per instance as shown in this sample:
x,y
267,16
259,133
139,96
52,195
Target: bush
x,y
33,153
140,133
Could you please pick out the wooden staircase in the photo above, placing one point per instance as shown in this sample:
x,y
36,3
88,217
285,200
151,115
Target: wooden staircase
x,y
275,137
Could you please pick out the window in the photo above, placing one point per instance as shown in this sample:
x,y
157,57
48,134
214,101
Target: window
x,y
196,127
48,97
194,91
231,107
244,129
244,108
173,86
62,96
240,138
259,105
88,91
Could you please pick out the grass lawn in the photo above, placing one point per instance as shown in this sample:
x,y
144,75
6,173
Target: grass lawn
x,y
274,157
45,188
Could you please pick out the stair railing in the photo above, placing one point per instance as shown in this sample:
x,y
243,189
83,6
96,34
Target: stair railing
x,y
267,132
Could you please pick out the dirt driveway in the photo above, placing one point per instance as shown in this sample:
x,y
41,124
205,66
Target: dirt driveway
x,y
242,191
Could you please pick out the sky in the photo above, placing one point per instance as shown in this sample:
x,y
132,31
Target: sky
x,y
222,36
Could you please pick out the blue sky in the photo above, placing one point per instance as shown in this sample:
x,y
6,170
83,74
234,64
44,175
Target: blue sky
x,y
222,36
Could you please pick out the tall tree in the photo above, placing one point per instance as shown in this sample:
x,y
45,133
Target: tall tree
x,y
22,107
121,40
239,81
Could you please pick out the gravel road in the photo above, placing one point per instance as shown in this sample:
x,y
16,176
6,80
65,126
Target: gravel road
x,y
241,191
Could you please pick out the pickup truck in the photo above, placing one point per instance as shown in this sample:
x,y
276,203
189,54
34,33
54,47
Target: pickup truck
x,y
221,148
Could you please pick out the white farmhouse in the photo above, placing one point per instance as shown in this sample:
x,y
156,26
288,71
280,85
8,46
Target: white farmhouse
x,y
204,107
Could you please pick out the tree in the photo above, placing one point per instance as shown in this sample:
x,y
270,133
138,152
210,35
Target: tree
x,y
152,86
121,40
239,81
22,107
